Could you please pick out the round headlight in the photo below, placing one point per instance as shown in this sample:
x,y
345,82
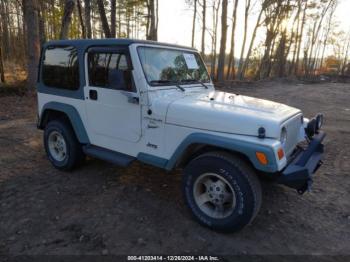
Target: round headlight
x,y
319,121
283,137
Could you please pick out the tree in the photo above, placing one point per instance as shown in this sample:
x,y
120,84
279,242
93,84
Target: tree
x,y
2,72
283,47
87,12
153,16
310,58
231,61
221,62
296,37
104,21
6,44
214,38
328,30
246,15
204,12
280,57
66,18
300,38
41,17
273,17
81,20
241,73
194,22
30,11
345,59
113,17
290,29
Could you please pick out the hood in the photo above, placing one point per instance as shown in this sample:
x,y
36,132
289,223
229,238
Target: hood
x,y
229,113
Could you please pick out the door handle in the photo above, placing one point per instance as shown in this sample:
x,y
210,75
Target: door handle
x,y
93,94
133,100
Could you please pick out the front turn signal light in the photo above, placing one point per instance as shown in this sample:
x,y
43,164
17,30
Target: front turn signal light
x,y
280,153
261,157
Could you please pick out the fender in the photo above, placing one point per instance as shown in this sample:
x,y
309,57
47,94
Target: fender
x,y
73,116
246,148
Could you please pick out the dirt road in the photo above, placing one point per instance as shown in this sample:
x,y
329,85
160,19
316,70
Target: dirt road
x,y
101,208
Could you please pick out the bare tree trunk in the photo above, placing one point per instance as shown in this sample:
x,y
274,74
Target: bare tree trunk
x,y
30,11
283,48
272,20
300,38
314,64
55,33
148,18
281,55
5,30
294,37
345,59
327,34
21,49
231,59
153,9
113,17
128,25
246,15
93,22
104,20
66,18
315,33
157,19
42,35
194,22
204,11
247,59
2,72
292,66
215,35
81,20
221,62
120,21
87,11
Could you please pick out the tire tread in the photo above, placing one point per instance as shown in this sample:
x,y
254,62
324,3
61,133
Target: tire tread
x,y
244,169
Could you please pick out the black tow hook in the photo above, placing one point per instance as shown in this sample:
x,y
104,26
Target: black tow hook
x,y
307,187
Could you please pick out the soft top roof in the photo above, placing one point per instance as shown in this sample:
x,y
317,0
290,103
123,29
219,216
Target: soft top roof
x,y
85,43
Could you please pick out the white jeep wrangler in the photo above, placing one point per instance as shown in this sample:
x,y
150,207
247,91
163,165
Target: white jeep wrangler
x,y
122,100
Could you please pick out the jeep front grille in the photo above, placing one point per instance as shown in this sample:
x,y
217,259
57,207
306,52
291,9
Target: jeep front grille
x,y
293,128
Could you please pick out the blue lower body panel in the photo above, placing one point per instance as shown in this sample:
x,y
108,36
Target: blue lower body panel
x,y
108,155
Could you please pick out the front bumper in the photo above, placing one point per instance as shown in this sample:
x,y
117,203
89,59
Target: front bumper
x,y
298,173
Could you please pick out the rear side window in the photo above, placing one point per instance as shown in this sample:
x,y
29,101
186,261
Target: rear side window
x,y
60,68
110,70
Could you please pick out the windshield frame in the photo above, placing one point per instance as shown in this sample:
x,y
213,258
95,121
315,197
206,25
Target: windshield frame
x,y
192,51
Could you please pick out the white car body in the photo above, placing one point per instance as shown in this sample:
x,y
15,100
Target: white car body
x,y
113,123
122,100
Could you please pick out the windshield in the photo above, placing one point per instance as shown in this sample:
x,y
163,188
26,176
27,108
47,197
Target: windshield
x,y
171,66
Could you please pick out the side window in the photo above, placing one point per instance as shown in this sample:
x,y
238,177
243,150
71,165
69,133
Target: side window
x,y
60,68
109,70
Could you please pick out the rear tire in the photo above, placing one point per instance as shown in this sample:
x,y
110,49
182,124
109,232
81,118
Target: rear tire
x,y
222,191
61,145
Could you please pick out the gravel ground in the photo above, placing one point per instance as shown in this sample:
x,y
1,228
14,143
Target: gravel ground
x,y
103,209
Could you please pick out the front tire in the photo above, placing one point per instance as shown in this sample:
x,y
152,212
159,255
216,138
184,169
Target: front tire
x,y
61,145
222,191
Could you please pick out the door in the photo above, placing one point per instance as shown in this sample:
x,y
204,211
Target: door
x,y
112,103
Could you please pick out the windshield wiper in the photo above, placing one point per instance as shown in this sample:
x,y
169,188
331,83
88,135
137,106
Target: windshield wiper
x,y
193,81
168,82
161,81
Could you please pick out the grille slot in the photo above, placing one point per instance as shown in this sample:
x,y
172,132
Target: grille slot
x,y
293,127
